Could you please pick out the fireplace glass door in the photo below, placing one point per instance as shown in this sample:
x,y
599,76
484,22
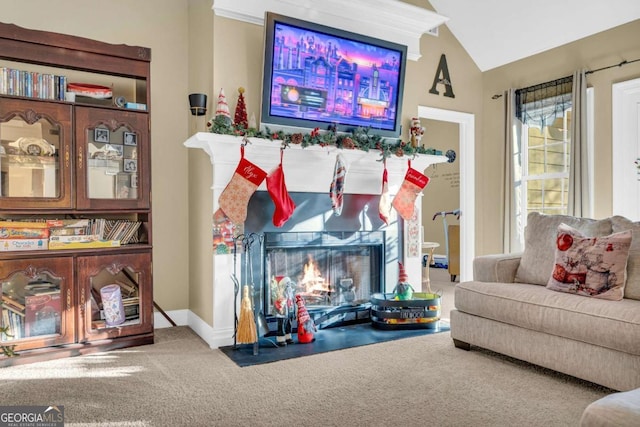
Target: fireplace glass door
x,y
327,276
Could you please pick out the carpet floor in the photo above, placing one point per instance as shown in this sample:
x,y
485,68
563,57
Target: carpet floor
x,y
329,339
180,381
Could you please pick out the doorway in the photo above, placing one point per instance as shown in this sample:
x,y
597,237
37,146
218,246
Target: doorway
x,y
626,148
466,156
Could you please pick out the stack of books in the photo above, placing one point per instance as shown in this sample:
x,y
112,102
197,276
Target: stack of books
x,y
13,318
79,234
32,84
33,311
18,235
23,236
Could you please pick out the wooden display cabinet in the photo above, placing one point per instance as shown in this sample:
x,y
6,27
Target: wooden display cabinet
x,y
82,158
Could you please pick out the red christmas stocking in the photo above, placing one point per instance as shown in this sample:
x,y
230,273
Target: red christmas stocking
x,y
384,207
413,183
278,191
235,197
337,185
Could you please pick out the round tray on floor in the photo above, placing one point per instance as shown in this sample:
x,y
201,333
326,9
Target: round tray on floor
x,y
421,312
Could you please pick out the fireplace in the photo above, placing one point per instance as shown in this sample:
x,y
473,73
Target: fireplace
x,y
335,262
308,173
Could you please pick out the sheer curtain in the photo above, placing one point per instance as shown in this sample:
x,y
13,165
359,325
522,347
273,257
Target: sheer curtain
x,y
512,178
579,191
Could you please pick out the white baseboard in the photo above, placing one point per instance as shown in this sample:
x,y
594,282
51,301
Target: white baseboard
x,y
215,338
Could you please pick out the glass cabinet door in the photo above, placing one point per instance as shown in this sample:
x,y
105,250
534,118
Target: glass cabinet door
x,y
35,142
115,296
112,156
36,303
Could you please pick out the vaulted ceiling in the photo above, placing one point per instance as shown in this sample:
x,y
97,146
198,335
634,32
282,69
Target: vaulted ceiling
x,y
497,32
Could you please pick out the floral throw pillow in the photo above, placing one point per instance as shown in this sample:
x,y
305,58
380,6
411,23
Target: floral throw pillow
x,y
590,266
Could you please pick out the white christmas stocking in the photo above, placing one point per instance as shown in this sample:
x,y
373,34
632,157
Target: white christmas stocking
x,y
413,183
337,185
235,197
384,207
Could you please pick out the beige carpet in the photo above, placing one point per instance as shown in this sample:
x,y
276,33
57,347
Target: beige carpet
x,y
419,381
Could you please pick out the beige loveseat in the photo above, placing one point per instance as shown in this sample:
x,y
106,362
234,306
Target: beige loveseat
x,y
508,309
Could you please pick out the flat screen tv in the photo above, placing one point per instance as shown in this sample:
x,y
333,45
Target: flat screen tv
x,y
319,77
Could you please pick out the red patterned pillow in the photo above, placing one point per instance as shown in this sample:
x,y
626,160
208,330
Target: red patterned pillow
x,y
590,266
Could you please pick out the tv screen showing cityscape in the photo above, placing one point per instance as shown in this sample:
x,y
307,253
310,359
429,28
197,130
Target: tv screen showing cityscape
x,y
317,74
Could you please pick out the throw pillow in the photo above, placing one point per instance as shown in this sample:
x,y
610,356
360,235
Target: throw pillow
x,y
537,259
632,288
590,266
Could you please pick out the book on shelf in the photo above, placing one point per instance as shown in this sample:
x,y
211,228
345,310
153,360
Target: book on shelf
x,y
84,245
23,233
15,324
9,245
69,223
74,238
42,314
69,231
13,302
31,223
136,106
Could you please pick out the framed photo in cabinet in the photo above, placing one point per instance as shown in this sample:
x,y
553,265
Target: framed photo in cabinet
x,y
101,135
130,138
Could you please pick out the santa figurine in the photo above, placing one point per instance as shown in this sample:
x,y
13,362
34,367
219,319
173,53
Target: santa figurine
x,y
282,299
416,130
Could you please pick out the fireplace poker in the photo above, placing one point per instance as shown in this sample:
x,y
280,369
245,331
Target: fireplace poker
x,y
236,290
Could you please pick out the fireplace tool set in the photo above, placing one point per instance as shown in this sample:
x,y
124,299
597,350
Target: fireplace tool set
x,y
252,323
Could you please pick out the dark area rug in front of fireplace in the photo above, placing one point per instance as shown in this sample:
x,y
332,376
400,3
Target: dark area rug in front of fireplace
x,y
329,339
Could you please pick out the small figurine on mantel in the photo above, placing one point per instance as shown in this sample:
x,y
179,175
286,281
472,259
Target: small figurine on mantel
x,y
403,290
416,131
222,118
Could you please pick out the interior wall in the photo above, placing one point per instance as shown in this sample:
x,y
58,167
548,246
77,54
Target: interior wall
x,y
162,26
200,168
442,194
600,50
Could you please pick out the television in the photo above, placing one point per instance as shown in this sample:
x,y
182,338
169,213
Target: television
x,y
316,76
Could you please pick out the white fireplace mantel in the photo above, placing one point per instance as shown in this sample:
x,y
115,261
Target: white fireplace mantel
x,y
307,169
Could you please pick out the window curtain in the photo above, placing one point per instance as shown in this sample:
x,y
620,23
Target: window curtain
x,y
512,179
579,191
541,104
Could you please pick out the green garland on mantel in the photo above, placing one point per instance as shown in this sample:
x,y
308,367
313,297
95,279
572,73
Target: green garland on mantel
x,y
359,139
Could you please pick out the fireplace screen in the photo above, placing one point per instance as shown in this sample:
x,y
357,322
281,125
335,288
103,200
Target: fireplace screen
x,y
328,276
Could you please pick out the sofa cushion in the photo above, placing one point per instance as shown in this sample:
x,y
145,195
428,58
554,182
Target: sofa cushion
x,y
590,266
538,257
632,289
611,324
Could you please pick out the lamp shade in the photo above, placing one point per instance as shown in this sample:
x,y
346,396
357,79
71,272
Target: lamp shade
x,y
198,104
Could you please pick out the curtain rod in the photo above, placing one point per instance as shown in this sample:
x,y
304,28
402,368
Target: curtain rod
x,y
625,62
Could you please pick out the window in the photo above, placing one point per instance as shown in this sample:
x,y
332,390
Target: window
x,y
545,166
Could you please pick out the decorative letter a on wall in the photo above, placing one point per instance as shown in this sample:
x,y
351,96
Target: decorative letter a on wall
x,y
442,77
